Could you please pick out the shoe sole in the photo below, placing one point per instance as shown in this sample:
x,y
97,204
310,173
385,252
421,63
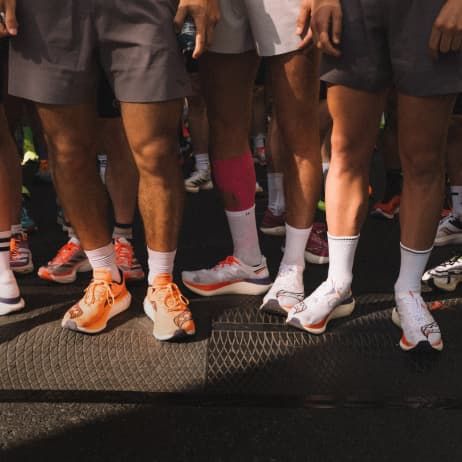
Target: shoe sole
x,y
443,284
6,308
237,288
315,259
177,335
273,307
23,270
423,346
341,311
274,231
196,189
449,240
85,267
121,306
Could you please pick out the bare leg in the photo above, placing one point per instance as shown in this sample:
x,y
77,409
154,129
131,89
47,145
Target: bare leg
x,y
296,92
423,128
356,116
152,134
8,157
454,158
122,175
70,132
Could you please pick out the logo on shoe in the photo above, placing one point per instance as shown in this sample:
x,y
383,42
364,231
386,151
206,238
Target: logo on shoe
x,y
182,318
429,329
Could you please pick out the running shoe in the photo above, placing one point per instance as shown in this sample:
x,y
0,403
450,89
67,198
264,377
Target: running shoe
x,y
127,261
420,330
449,231
387,209
20,254
10,300
446,276
230,276
69,261
273,225
324,304
199,180
286,292
168,309
317,248
103,300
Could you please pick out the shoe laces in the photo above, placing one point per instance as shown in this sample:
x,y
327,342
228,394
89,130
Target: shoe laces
x,y
97,291
228,261
174,300
64,253
124,252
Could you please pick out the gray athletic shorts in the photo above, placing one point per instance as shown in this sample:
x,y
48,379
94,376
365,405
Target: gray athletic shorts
x,y
62,44
265,25
385,42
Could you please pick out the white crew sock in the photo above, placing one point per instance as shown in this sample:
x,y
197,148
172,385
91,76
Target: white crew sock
x,y
342,250
456,194
276,198
243,229
5,237
413,264
16,229
160,263
104,257
202,162
296,239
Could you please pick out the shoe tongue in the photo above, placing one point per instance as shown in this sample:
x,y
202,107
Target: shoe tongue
x,y
102,274
162,279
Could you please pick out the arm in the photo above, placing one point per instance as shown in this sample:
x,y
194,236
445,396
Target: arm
x,y
446,33
326,24
8,23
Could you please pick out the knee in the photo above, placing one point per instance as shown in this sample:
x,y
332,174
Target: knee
x,y
153,156
71,153
423,159
349,156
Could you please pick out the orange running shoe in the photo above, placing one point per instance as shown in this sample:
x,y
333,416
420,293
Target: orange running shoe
x,y
69,261
168,309
103,300
127,261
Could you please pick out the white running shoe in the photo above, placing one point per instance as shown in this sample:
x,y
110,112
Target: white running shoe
x,y
286,291
420,330
230,276
449,231
324,304
199,180
10,299
446,276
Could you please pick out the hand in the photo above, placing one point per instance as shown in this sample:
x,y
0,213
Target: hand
x,y
9,25
303,24
326,24
205,14
446,34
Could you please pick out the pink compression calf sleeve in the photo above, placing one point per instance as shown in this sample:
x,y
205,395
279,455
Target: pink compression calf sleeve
x,y
235,178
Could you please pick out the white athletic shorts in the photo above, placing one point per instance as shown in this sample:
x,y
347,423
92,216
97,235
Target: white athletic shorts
x,y
265,25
